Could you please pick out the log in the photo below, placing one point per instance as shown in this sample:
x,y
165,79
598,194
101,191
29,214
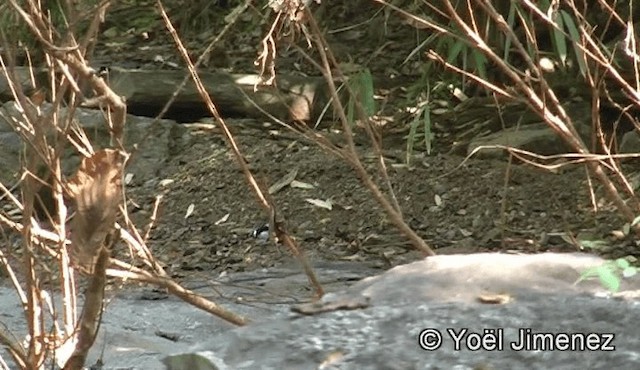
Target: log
x,y
292,98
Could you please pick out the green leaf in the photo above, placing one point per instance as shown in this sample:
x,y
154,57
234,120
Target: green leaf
x,y
607,273
428,136
361,85
608,278
622,263
351,110
593,244
574,34
544,5
413,128
560,41
510,21
455,50
480,63
367,92
420,47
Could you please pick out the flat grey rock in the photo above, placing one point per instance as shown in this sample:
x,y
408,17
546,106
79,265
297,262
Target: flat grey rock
x,y
142,326
376,322
440,296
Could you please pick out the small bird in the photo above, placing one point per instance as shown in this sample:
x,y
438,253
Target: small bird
x,y
261,232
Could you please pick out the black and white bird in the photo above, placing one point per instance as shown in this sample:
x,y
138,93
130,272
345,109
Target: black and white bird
x,y
261,232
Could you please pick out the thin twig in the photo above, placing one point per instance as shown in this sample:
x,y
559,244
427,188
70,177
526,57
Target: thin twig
x,y
127,271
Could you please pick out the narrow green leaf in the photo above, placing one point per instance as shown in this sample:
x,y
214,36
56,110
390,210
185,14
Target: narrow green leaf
x,y
412,137
351,110
428,136
544,5
480,62
574,34
560,42
455,50
367,92
511,18
593,244
419,48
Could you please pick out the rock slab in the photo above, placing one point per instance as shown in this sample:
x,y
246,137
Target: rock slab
x,y
440,300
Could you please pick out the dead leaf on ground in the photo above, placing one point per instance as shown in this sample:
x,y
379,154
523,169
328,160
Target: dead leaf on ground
x,y
286,180
437,200
127,178
326,204
167,182
301,185
223,219
190,210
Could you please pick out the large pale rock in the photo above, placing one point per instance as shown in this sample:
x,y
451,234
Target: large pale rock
x,y
148,330
441,293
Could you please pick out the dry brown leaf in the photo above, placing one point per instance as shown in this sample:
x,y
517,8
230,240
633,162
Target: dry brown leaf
x,y
96,193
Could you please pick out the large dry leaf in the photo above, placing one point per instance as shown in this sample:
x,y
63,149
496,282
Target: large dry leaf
x,y
96,193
